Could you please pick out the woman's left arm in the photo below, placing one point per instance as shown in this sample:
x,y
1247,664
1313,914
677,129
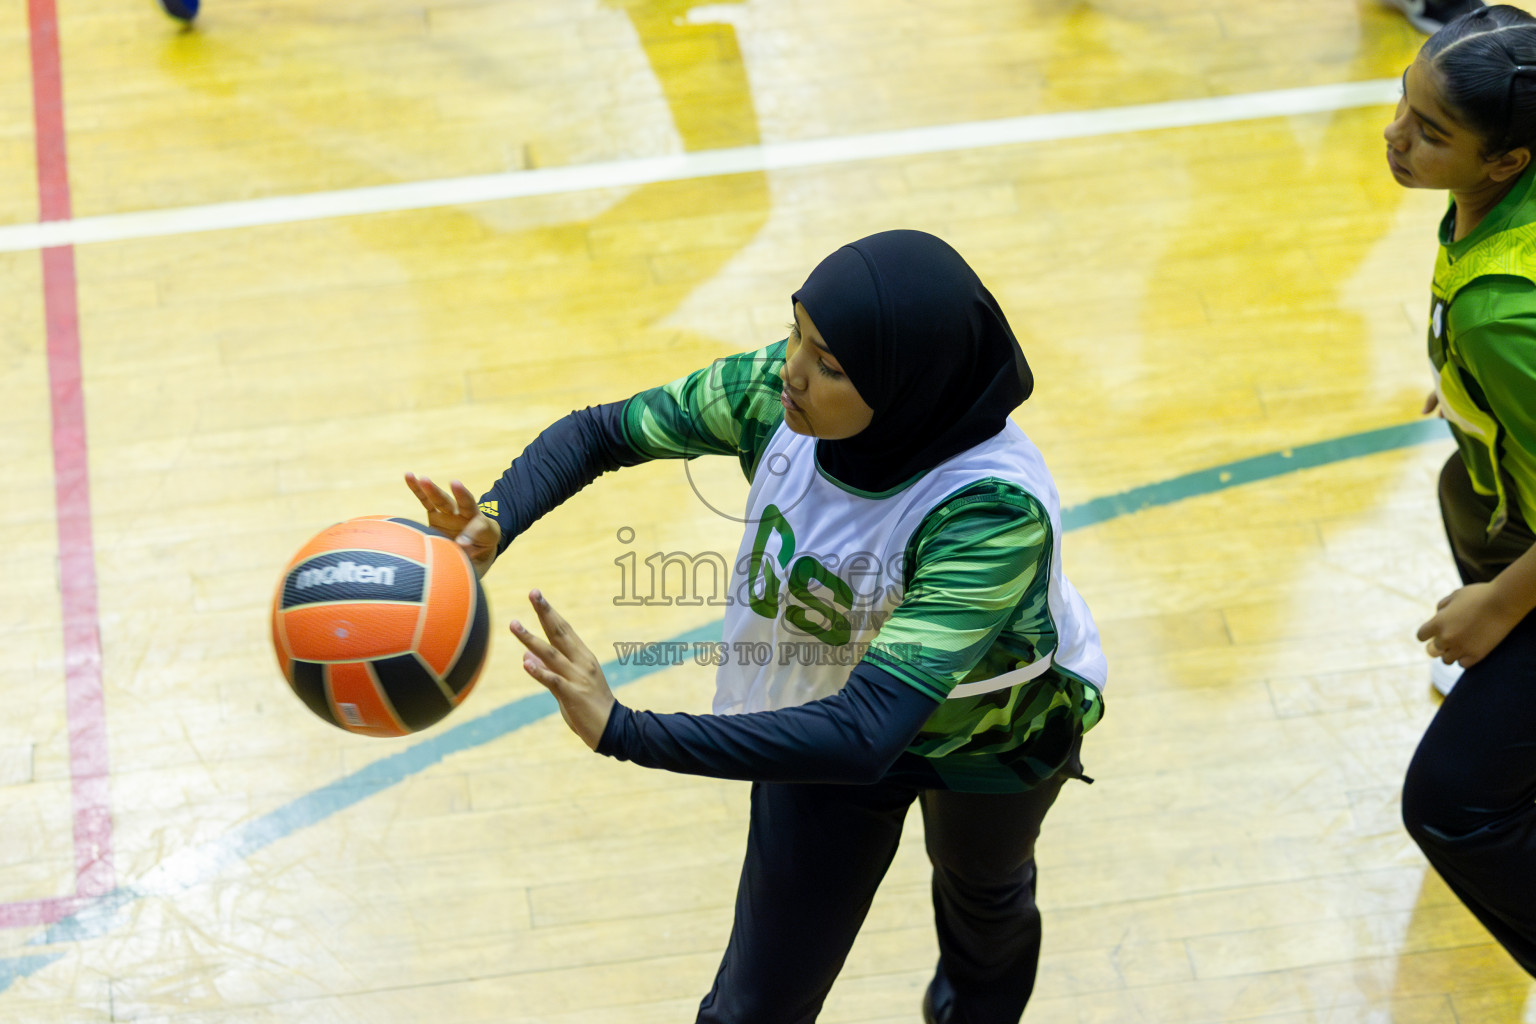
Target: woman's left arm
x,y
851,737
1498,347
984,550
1472,621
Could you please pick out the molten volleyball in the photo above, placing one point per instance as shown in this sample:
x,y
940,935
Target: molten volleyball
x,y
380,625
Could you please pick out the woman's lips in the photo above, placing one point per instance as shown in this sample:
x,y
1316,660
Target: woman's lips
x,y
789,403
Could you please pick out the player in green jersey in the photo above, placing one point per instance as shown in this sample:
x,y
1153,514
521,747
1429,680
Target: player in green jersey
x,y
902,564
1467,124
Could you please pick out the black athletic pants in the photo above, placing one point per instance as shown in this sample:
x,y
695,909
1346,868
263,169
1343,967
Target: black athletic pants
x,y
1468,797
816,854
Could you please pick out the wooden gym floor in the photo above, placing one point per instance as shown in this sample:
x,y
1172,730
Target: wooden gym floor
x,y
234,331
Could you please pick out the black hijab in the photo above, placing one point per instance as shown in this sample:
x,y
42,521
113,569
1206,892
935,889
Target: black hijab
x,y
924,344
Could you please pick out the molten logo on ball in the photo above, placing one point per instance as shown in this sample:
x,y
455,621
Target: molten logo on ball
x,y
347,572
352,575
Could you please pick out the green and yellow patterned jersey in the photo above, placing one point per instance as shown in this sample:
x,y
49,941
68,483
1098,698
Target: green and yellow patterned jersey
x,y
1482,346
950,582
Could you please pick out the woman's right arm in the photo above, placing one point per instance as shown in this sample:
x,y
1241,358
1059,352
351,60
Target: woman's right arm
x,y
569,454
730,407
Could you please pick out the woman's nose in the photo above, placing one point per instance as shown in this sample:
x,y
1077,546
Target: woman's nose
x,y
799,365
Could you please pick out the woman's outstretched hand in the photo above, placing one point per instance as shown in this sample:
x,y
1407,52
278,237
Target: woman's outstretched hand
x,y
456,514
569,670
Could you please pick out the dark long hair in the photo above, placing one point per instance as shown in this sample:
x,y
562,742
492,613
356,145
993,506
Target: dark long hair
x,y
1488,61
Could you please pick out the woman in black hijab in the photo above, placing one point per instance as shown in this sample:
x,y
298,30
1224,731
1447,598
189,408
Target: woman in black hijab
x,y
902,570
926,346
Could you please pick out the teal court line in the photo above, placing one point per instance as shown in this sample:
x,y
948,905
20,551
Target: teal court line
x,y
1247,471
192,867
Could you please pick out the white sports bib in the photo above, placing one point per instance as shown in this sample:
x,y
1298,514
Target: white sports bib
x,y
821,568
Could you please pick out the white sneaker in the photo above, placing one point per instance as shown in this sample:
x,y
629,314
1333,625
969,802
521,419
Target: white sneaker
x,y
1442,676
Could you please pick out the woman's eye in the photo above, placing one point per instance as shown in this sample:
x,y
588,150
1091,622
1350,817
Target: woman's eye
x,y
825,370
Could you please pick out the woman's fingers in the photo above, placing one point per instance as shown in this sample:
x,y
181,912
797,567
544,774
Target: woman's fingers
x,y
549,658
458,515
414,483
1429,635
565,666
560,633
540,671
422,488
560,650
432,497
441,500
463,500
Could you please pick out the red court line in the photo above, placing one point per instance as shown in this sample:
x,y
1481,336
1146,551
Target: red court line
x,y
85,709
34,913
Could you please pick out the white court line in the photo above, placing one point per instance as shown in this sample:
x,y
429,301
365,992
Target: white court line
x,y
419,195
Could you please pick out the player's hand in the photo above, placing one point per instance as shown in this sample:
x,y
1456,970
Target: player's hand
x,y
1432,405
569,670
456,514
1469,624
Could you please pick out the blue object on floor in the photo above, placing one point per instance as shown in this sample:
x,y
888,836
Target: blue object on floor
x,y
183,10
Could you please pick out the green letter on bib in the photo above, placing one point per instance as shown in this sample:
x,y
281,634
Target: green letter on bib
x,y
773,521
835,632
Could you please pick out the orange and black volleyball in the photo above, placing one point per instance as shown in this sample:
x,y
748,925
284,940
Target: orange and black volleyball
x,y
380,625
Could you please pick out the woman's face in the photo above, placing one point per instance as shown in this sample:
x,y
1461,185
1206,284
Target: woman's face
x,y
819,399
1427,147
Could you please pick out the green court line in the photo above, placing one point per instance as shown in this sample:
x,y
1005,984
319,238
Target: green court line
x,y
196,865
1247,471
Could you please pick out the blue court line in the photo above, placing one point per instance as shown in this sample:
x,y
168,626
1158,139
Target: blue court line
x,y
21,966
191,867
